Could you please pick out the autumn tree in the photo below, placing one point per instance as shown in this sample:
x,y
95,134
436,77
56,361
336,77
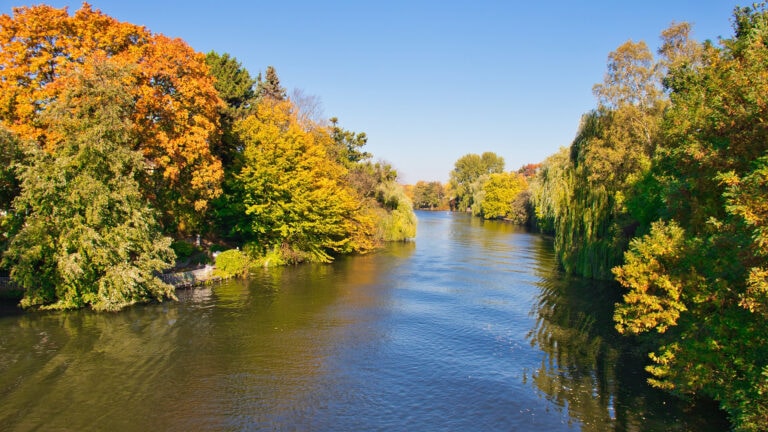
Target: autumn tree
x,y
529,170
176,114
500,192
697,281
89,236
294,196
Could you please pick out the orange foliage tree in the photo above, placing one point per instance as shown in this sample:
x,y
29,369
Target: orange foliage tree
x,y
176,107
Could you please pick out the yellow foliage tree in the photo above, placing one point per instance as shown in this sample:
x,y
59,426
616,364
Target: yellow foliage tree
x,y
293,190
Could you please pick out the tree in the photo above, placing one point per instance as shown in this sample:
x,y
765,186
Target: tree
x,y
10,155
176,114
428,195
294,194
501,190
233,82
587,206
270,87
89,237
467,170
348,145
309,108
237,89
696,283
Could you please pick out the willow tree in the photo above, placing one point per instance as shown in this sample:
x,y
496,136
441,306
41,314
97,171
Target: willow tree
x,y
584,199
89,236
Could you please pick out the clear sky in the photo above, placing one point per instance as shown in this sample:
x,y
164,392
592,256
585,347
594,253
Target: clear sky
x,y
430,81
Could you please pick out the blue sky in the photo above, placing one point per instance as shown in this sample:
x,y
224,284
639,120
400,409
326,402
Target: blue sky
x,y
430,81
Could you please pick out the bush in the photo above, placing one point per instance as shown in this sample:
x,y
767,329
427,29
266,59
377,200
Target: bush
x,y
232,263
183,249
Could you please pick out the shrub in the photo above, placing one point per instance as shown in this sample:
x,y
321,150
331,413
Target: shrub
x,y
183,249
232,263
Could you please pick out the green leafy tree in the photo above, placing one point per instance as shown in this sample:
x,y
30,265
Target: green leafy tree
x,y
396,220
237,89
348,145
89,237
467,171
11,155
428,195
235,85
551,190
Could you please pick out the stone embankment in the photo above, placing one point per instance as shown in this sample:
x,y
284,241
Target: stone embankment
x,y
185,279
191,278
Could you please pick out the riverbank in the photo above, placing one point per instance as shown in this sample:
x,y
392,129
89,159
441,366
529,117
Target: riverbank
x,y
179,280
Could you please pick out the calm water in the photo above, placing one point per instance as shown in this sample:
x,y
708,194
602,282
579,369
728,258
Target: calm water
x,y
467,328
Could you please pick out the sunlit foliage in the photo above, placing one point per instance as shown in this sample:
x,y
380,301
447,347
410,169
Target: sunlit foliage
x,y
468,174
89,237
501,190
175,115
293,191
698,279
429,195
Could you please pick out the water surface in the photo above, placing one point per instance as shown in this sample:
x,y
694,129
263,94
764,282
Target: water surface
x,y
470,327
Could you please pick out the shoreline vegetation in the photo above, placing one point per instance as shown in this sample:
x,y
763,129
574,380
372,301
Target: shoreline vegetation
x,y
119,145
116,141
664,191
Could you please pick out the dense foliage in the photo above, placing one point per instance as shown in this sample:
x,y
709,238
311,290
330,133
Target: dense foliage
x,y
468,175
672,167
89,237
232,263
429,195
293,191
175,115
499,195
114,139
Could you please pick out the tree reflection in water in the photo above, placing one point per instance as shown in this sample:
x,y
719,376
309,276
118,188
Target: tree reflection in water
x,y
594,373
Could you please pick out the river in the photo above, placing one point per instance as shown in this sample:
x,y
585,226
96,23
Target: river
x,y
468,328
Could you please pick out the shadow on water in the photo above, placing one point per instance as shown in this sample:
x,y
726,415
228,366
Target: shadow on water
x,y
598,375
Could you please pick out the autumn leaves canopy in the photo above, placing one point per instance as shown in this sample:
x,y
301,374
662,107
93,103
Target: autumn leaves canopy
x,y
176,104
114,138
